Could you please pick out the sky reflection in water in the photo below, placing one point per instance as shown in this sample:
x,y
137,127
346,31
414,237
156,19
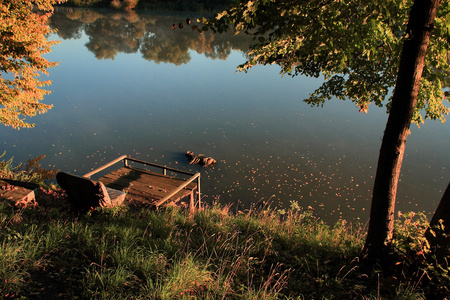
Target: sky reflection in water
x,y
269,145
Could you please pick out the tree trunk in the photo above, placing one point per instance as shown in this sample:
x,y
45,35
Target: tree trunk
x,y
381,224
438,236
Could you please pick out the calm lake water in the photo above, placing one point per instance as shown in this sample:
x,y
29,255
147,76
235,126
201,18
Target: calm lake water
x,y
130,84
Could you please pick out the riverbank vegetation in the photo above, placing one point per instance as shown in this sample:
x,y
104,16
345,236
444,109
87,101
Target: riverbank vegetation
x,y
213,254
49,251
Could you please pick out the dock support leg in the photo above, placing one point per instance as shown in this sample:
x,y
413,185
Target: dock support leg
x,y
192,203
198,190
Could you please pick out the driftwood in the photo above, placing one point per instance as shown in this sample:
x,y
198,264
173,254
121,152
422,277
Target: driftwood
x,y
200,159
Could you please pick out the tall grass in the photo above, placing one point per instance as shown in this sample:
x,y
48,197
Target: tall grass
x,y
173,254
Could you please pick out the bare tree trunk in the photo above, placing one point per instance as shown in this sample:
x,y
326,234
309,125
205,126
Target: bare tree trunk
x,y
381,224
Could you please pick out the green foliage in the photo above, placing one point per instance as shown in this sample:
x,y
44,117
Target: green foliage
x,y
417,263
22,46
354,45
409,233
7,168
33,173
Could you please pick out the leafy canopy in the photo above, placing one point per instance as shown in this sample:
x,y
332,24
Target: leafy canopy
x,y
22,44
355,45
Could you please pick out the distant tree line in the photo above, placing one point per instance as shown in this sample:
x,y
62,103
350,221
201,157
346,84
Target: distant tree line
x,y
191,5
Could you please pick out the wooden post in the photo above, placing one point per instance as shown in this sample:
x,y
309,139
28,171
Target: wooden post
x,y
199,194
191,203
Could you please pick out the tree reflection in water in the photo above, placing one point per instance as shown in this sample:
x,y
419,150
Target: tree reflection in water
x,y
111,33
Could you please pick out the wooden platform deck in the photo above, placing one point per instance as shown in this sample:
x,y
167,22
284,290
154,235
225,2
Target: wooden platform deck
x,y
148,187
151,188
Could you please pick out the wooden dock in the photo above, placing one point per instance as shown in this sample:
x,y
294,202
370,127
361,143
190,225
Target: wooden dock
x,y
152,188
147,187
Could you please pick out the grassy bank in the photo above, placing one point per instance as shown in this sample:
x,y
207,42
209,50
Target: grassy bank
x,y
49,252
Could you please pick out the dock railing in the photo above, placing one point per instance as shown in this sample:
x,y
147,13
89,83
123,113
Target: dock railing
x,y
126,159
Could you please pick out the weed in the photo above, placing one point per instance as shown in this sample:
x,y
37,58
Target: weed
x,y
211,254
33,173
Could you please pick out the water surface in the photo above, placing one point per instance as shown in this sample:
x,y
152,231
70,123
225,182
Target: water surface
x,y
130,84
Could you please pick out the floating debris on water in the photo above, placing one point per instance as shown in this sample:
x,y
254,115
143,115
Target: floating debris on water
x,y
200,159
